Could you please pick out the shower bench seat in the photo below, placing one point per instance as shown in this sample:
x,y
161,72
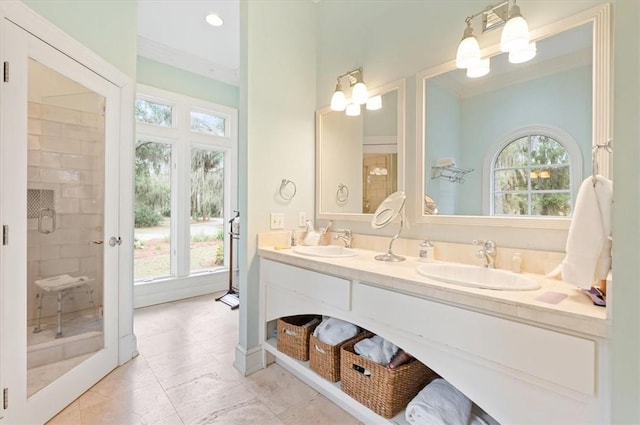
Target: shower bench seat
x,y
61,286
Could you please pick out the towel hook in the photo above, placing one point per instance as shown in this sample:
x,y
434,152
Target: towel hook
x,y
287,189
594,159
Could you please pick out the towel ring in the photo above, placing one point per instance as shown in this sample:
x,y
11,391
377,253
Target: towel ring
x,y
287,189
342,194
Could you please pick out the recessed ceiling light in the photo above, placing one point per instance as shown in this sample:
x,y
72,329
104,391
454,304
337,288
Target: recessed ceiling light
x,y
214,20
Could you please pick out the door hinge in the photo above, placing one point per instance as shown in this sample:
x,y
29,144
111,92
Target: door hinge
x,y
5,398
6,72
5,234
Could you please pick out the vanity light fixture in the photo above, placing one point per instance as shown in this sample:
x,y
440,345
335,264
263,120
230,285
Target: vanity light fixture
x,y
374,103
479,69
469,49
359,94
514,38
353,110
515,34
214,20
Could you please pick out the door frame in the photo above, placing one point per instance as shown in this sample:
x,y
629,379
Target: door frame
x,y
27,19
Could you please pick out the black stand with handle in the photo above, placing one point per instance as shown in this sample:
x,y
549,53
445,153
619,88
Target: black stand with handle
x,y
231,297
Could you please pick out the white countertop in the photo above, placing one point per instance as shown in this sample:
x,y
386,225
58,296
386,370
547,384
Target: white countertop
x,y
575,313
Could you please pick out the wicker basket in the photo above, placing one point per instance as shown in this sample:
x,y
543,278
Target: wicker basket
x,y
324,359
293,337
385,391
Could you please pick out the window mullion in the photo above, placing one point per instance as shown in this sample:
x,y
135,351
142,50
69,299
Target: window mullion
x,y
183,231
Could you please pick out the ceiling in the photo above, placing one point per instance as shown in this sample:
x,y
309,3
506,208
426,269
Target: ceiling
x,y
175,32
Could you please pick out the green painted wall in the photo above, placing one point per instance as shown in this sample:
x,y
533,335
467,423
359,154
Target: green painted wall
x,y
108,28
277,78
166,77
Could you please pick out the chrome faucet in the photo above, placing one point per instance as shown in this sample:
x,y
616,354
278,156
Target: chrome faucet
x,y
346,237
488,252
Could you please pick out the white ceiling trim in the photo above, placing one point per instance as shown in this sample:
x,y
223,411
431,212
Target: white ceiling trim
x,y
168,55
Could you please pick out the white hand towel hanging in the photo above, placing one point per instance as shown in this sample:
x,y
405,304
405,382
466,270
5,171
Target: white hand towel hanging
x,y
588,246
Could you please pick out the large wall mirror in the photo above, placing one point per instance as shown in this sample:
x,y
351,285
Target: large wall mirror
x,y
360,159
511,148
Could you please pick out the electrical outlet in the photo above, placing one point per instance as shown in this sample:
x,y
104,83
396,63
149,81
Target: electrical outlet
x,y
302,218
277,221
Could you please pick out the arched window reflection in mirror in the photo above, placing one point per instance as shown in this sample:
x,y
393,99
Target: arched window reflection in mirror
x,y
531,176
566,87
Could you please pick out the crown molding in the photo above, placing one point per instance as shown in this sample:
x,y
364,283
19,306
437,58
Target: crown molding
x,y
178,59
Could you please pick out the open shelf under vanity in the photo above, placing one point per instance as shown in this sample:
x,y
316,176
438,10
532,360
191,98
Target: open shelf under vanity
x,y
331,390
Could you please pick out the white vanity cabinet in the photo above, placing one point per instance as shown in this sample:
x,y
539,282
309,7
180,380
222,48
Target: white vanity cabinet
x,y
519,371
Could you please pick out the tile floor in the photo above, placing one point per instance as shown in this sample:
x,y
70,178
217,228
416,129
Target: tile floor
x,y
184,375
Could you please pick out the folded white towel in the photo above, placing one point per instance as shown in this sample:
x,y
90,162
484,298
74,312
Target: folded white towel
x,y
439,403
333,331
588,246
376,348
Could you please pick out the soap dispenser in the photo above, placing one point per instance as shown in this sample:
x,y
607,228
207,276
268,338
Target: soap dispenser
x,y
427,252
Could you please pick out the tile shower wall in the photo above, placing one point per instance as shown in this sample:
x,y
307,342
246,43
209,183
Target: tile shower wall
x,y
66,155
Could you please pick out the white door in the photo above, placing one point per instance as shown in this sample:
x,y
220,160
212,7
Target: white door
x,y
59,206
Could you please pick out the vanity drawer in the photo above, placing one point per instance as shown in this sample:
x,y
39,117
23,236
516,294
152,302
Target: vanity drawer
x,y
330,290
552,356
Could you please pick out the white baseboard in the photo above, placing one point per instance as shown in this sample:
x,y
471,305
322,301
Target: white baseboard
x,y
163,291
127,349
248,361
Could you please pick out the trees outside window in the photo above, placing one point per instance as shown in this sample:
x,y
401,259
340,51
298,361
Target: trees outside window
x,y
532,177
184,185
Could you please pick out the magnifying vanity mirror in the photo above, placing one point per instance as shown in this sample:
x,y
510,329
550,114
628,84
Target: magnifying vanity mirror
x,y
511,148
359,159
386,212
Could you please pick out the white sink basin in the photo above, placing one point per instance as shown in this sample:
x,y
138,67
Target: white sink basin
x,y
325,251
478,277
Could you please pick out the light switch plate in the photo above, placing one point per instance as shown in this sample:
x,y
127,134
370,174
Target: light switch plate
x,y
277,221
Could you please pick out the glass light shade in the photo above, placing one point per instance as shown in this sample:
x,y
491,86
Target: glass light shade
x,y
515,34
353,110
468,52
359,93
374,103
338,101
479,69
214,20
523,55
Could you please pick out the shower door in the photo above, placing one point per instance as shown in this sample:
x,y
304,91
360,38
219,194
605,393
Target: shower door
x,y
59,265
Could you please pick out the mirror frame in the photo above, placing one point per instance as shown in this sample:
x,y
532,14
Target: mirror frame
x,y
398,85
599,17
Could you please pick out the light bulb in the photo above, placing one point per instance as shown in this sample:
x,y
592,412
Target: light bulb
x,y
353,110
468,49
523,55
479,69
214,20
338,100
374,103
515,34
359,93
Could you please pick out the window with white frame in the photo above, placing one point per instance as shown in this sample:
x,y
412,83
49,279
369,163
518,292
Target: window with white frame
x,y
185,185
532,176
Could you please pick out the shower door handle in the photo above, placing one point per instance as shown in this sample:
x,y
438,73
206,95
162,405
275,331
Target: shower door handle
x,y
113,241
